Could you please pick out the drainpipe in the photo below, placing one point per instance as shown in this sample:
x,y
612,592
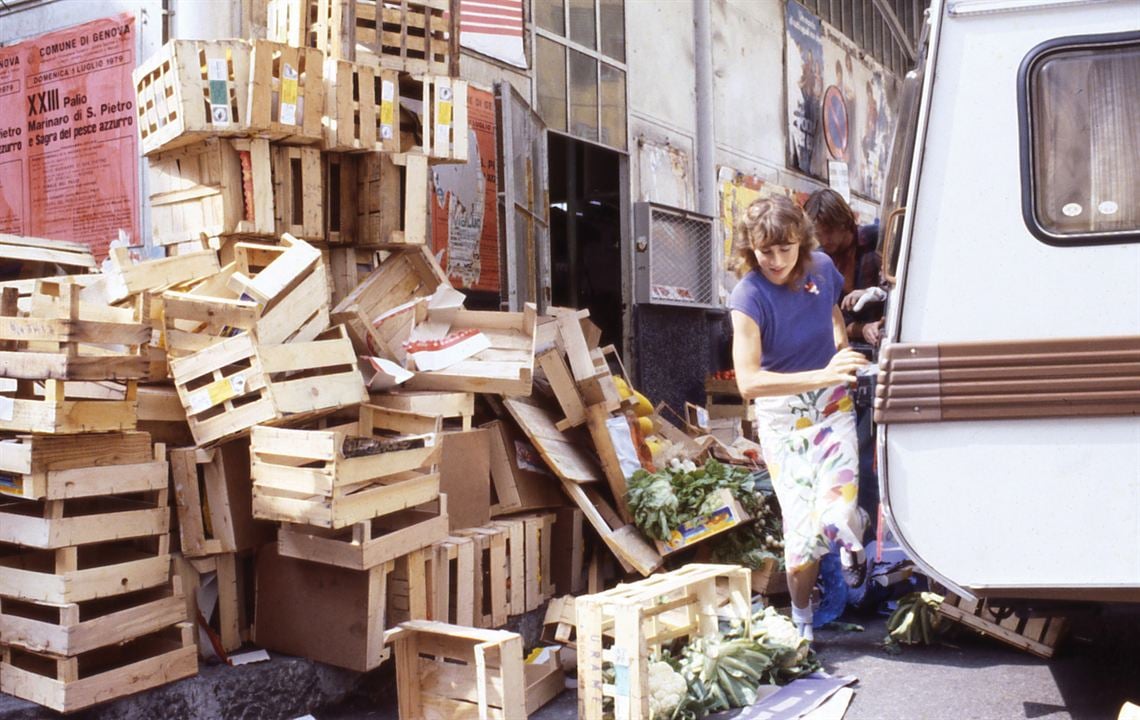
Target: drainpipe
x,y
705,160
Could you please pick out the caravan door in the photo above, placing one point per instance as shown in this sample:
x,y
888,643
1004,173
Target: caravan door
x,y
1009,393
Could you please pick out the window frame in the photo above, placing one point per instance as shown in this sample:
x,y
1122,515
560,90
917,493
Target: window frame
x,y
1029,63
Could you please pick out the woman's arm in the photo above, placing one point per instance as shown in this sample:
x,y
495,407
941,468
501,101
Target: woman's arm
x,y
839,328
754,382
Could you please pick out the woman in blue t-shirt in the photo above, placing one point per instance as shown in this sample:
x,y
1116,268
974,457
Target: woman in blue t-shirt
x,y
790,354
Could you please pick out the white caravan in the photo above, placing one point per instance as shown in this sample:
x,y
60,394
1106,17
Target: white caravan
x,y
1009,392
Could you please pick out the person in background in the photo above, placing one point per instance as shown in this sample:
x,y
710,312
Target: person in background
x,y
853,250
791,358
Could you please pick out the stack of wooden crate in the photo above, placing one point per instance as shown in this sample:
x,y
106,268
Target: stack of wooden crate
x,y
89,610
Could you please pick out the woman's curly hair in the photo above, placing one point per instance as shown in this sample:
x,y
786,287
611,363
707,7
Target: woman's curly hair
x,y
773,221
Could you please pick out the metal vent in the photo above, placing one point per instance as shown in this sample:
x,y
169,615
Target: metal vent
x,y
675,256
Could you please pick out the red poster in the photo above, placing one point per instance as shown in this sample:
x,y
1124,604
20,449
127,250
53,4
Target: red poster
x,y
464,213
68,142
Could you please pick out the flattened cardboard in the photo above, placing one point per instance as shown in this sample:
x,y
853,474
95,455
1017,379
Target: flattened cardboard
x,y
465,475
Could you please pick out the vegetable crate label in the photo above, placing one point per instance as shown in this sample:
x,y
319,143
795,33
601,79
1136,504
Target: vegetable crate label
x,y
718,521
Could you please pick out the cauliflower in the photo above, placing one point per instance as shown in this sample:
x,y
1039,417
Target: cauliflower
x,y
667,690
776,630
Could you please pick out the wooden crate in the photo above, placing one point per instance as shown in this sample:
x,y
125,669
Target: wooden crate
x,y
455,581
368,544
212,494
625,626
229,387
287,92
61,343
458,406
769,579
190,90
326,613
279,293
56,467
123,277
58,524
362,108
380,312
68,684
377,203
217,187
75,628
226,627
63,407
506,367
528,555
40,257
1035,632
311,477
559,625
447,670
413,587
412,36
161,415
492,570
298,198
443,131
326,25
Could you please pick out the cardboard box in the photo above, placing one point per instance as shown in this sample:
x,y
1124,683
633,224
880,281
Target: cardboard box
x,y
322,612
465,476
521,479
727,516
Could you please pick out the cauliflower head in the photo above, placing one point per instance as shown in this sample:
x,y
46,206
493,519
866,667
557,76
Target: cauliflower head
x,y
667,690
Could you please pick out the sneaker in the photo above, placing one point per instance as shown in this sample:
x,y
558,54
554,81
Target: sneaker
x,y
854,567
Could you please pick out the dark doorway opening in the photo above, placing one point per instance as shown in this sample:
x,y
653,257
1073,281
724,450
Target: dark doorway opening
x,y
585,232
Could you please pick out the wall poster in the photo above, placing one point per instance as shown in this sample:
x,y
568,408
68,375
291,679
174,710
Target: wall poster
x,y
464,207
68,143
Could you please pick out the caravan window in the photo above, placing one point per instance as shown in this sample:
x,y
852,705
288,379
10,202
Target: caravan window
x,y
1080,112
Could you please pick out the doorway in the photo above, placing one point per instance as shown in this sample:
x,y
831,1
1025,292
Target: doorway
x,y
586,232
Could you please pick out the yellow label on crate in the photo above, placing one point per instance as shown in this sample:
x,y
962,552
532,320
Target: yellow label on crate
x,y
289,77
444,115
217,393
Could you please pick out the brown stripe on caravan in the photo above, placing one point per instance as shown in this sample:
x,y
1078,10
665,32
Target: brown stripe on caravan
x,y
1077,377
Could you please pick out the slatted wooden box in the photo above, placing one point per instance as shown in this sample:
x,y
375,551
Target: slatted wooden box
x,y
1037,633
233,385
298,197
277,292
371,543
190,90
381,311
123,276
624,626
506,368
74,683
312,476
63,407
379,211
217,187
362,108
412,36
286,95
443,131
228,622
55,467
326,25
453,671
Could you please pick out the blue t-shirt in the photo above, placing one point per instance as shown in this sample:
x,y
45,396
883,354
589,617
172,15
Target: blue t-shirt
x,y
796,329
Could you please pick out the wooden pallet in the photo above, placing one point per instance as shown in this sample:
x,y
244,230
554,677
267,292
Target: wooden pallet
x,y
326,613
368,544
308,477
443,131
287,92
68,684
506,367
381,311
1037,633
362,108
298,199
213,499
56,467
217,187
171,85
72,629
235,384
625,626
412,36
447,670
279,293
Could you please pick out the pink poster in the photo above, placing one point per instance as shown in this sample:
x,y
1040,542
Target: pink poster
x,y
68,142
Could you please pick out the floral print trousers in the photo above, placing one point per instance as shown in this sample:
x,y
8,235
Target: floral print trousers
x,y
812,452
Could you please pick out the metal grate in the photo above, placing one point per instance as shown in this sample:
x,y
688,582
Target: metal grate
x,y
675,256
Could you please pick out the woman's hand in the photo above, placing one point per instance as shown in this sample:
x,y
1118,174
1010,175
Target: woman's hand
x,y
873,333
841,369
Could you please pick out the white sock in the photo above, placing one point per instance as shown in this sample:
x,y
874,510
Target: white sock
x,y
802,619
